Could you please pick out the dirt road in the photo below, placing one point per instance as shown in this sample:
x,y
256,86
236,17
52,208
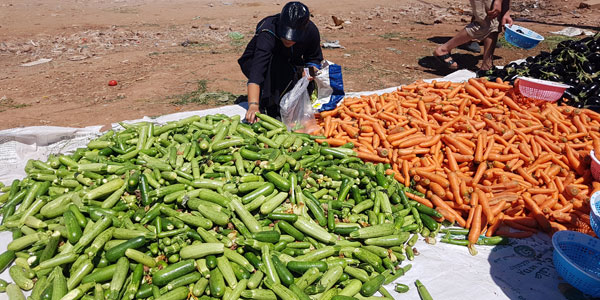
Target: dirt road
x,y
169,56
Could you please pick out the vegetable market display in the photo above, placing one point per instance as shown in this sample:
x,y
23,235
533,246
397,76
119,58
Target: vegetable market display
x,y
484,157
208,207
573,62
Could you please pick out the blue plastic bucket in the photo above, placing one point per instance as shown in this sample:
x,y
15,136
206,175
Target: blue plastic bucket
x,y
522,37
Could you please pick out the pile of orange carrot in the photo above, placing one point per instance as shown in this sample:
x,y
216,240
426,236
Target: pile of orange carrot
x,y
483,156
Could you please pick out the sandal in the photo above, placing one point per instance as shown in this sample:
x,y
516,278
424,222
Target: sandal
x,y
447,63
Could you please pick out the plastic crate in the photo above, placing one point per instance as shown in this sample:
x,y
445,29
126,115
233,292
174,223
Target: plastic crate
x,y
541,89
522,37
576,259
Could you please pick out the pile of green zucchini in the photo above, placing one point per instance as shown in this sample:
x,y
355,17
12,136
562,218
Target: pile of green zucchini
x,y
209,208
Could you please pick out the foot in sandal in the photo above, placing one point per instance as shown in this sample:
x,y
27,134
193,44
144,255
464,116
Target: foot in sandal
x,y
445,59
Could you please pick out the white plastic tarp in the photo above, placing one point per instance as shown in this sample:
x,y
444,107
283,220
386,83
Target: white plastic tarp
x,y
521,270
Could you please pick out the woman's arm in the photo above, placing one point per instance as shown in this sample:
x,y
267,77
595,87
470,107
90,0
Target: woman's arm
x,y
260,62
253,102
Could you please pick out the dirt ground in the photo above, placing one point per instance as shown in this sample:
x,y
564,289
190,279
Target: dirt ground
x,y
169,56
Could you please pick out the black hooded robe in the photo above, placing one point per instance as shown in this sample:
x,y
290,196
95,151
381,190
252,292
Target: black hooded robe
x,y
275,68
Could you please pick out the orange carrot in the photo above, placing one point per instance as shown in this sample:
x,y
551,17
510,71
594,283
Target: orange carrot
x,y
537,212
475,229
376,141
331,113
485,204
352,131
439,179
454,91
499,86
332,142
479,173
455,187
412,141
437,189
479,149
370,157
405,173
462,148
470,217
419,199
432,141
447,125
452,164
496,223
377,128
479,86
400,135
443,205
397,175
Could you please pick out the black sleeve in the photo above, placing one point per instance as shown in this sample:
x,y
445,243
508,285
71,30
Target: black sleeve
x,y
313,54
265,43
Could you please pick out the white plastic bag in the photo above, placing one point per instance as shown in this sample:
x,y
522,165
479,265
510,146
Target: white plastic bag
x,y
296,109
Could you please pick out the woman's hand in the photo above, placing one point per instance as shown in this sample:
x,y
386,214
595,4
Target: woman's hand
x,y
251,112
310,78
253,96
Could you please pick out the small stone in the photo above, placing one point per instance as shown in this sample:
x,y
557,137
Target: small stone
x,y
583,5
195,26
213,27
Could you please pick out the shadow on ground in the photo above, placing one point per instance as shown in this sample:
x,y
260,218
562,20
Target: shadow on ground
x,y
464,60
524,269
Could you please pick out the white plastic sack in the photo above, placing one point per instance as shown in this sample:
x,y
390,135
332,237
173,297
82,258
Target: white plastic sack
x,y
296,109
330,86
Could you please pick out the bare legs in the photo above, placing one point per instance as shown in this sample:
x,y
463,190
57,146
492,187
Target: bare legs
x,y
489,45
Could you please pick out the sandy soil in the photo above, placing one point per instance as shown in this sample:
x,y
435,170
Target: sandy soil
x,y
166,55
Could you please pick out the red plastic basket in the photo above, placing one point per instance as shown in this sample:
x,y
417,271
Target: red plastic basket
x,y
541,89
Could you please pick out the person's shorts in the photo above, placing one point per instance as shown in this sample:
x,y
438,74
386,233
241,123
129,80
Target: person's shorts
x,y
481,26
